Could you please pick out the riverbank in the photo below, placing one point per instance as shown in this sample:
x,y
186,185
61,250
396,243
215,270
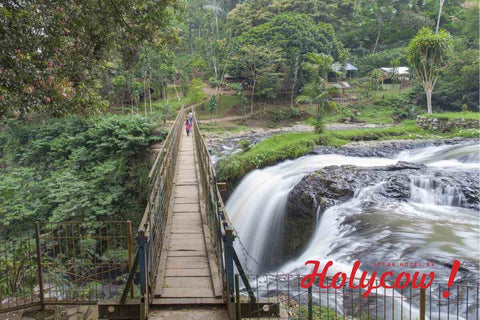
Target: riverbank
x,y
259,149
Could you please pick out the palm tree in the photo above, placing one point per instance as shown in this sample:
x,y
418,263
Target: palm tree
x,y
318,95
216,8
316,92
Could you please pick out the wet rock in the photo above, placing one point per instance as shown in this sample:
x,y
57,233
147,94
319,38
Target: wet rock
x,y
333,185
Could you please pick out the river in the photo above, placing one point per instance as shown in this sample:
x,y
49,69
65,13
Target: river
x,y
430,226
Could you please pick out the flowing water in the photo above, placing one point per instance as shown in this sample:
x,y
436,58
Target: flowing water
x,y
427,225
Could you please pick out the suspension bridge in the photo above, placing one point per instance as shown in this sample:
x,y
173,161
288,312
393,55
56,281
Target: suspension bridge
x,y
182,256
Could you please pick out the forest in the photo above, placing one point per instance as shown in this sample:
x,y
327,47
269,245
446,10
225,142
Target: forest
x,y
86,86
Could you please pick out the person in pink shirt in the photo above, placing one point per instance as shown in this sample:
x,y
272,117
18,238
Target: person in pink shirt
x,y
188,127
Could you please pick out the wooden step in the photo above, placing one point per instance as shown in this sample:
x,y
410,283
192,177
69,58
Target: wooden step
x,y
186,301
188,282
187,273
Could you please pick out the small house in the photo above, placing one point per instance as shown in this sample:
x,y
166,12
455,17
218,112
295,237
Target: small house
x,y
403,74
233,78
347,69
342,86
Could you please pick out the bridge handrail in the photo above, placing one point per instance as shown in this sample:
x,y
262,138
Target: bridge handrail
x,y
158,167
151,230
221,228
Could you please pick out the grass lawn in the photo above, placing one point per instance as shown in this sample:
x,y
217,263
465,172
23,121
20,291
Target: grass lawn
x,y
367,113
221,127
269,151
455,115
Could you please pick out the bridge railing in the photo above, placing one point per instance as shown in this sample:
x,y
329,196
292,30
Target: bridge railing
x,y
63,263
281,296
221,229
152,227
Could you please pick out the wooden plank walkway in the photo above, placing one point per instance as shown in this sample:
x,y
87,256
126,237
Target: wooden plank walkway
x,y
187,273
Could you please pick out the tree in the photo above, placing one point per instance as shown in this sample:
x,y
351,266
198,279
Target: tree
x,y
316,91
294,35
53,55
238,87
428,53
119,83
257,62
212,105
441,2
216,8
395,75
374,82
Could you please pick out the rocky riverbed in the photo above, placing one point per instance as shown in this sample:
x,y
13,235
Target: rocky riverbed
x,y
333,185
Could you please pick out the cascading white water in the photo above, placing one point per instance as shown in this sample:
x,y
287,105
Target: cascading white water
x,y
258,204
425,225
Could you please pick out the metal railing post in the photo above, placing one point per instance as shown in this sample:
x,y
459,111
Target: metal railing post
x,y
310,303
142,253
130,253
39,266
228,239
237,297
422,304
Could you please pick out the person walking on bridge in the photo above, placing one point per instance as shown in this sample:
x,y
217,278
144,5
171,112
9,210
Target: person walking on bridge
x,y
190,117
188,127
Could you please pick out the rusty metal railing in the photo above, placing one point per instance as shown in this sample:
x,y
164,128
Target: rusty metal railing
x,y
64,263
281,296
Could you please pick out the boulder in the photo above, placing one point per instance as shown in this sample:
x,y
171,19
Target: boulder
x,y
333,185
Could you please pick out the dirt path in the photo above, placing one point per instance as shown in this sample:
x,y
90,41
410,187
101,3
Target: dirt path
x,y
224,119
213,91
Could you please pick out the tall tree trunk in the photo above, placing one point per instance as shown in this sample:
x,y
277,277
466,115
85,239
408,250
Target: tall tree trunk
x,y
131,101
190,45
439,15
291,97
376,41
145,96
253,94
150,94
428,93
175,87
216,23
215,66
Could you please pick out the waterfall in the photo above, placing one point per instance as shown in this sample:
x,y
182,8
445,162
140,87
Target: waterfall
x,y
425,225
258,204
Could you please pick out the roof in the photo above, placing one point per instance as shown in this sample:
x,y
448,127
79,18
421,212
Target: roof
x,y
339,85
347,66
400,70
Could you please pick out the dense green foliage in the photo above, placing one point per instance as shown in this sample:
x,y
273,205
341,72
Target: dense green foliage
x,y
369,34
55,57
458,83
74,169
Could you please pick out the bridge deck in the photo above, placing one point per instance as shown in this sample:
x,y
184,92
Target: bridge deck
x,y
187,273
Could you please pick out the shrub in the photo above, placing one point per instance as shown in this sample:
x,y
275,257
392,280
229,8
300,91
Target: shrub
x,y
74,168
